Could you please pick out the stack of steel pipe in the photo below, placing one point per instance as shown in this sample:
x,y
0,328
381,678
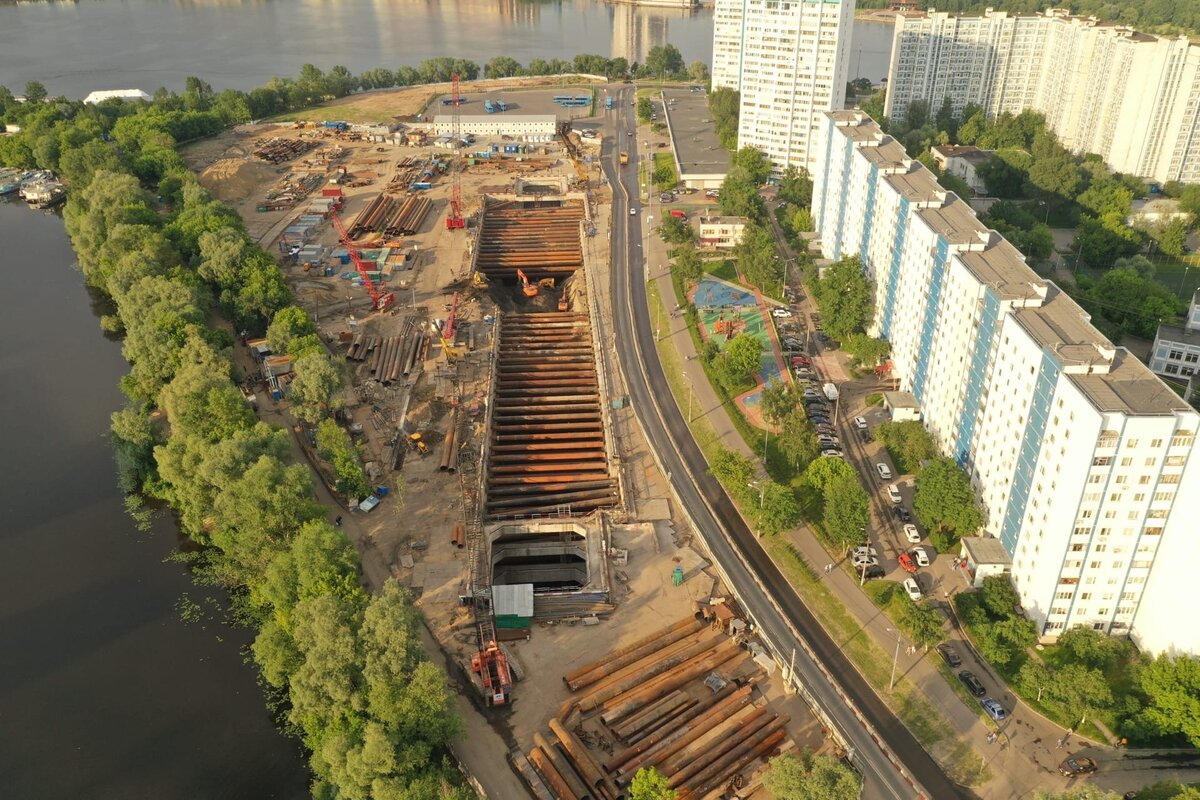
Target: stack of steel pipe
x,y
640,696
639,673
575,782
407,217
638,726
556,783
760,745
693,724
531,777
412,356
583,762
458,536
360,346
590,673
373,217
449,460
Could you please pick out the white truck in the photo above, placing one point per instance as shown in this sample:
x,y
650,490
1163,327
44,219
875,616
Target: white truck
x,y
831,391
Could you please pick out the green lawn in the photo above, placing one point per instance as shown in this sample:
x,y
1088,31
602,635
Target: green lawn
x,y
722,268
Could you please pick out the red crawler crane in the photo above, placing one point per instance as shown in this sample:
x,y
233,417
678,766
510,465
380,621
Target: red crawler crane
x,y
379,300
454,219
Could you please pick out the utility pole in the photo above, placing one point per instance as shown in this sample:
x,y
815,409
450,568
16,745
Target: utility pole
x,y
895,660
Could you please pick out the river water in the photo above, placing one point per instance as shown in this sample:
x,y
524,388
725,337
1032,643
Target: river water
x,y
104,691
75,48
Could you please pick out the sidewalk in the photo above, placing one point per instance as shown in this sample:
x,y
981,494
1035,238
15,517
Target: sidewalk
x,y
1025,757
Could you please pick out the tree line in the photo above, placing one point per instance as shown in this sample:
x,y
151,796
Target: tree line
x,y
344,671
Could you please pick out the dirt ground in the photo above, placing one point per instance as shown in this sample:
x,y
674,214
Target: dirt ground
x,y
407,536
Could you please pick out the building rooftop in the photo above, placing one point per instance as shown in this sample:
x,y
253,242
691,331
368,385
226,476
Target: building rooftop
x,y
965,151
1002,267
954,221
900,400
722,220
499,120
698,151
1178,333
887,155
1130,388
120,94
985,550
917,185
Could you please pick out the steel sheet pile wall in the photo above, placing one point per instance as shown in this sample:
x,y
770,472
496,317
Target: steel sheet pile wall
x,y
547,451
542,240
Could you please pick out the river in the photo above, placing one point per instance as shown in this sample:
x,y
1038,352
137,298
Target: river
x,y
105,691
75,48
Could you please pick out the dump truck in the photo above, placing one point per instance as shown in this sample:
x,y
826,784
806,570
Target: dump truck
x,y
624,158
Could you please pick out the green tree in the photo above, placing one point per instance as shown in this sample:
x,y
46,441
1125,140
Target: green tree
x,y
1085,792
743,355
821,472
755,163
802,220
797,439
1079,691
733,470
1171,237
758,258
999,597
650,784
1005,173
867,351
1171,685
725,103
1102,241
686,264
289,323
739,196
844,297
809,776
908,444
665,61
777,509
1189,200
674,230
1091,648
945,499
1132,302
316,388
334,445
777,401
502,67
846,509
35,92
698,71
644,109
921,621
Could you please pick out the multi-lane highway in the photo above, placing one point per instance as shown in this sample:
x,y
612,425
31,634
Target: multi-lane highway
x,y
893,763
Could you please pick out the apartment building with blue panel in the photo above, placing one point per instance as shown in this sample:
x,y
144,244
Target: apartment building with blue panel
x,y
1081,457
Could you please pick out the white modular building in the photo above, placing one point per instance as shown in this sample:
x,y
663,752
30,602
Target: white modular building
x,y
1176,351
529,127
1081,457
789,61
1103,88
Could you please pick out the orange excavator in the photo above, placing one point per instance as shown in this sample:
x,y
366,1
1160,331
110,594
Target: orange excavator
x,y
530,289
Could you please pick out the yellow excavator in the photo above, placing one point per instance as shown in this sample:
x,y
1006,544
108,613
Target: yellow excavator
x,y
418,443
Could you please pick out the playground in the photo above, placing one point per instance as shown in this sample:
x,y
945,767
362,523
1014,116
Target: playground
x,y
725,311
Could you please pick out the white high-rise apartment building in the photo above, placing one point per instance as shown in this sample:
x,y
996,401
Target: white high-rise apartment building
x,y
1081,457
789,61
1129,97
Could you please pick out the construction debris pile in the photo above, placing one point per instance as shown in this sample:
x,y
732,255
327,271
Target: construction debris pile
x,y
547,451
681,700
543,241
276,149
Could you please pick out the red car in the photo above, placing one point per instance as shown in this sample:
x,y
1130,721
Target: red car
x,y
906,563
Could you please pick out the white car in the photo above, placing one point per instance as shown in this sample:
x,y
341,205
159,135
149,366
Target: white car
x,y
911,533
894,493
633,212
866,550
921,556
913,590
781,313
884,472
860,423
860,561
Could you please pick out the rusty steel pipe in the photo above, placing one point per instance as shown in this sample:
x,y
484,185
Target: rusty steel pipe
x,y
579,756
744,755
727,727
651,714
556,782
639,673
721,741
448,442
668,720
631,701
565,770
580,678
658,747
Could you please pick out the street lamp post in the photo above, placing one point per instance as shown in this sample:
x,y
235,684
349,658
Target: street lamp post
x,y
895,659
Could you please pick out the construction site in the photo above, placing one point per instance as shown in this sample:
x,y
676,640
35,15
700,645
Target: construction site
x,y
514,493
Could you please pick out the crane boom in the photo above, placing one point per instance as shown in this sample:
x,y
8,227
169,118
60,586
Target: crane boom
x,y
379,300
454,217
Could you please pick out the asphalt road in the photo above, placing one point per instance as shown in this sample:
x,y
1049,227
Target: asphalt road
x,y
847,701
